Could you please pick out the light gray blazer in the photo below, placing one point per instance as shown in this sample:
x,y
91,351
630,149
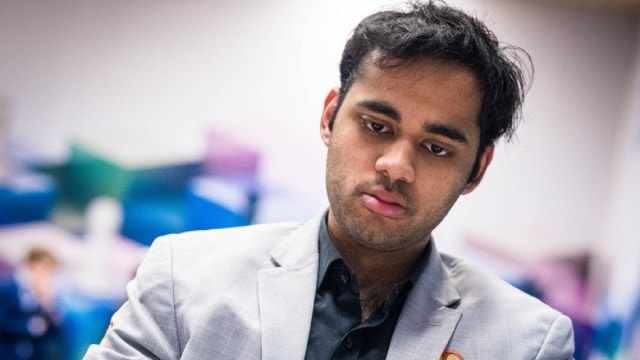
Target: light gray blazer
x,y
248,293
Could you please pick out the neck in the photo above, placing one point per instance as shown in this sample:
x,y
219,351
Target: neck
x,y
377,271
379,267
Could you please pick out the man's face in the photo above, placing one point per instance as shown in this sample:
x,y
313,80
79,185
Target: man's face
x,y
400,152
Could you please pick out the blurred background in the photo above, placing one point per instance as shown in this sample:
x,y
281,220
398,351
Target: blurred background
x,y
123,121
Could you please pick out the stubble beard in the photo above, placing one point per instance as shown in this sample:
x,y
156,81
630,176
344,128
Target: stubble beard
x,y
374,232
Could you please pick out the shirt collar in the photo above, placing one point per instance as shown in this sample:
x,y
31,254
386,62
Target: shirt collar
x,y
327,252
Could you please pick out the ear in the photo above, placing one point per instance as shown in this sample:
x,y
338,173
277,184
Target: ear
x,y
330,104
485,160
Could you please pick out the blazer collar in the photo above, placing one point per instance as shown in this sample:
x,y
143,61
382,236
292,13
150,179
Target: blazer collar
x,y
286,293
300,246
429,315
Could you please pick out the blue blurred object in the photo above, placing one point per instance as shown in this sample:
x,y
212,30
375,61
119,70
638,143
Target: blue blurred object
x,y
147,218
209,202
631,333
217,202
26,197
607,338
85,321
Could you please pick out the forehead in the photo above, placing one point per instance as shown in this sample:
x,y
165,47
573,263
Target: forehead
x,y
446,72
428,90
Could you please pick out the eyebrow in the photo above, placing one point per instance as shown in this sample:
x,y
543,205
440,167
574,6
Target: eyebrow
x,y
447,131
383,108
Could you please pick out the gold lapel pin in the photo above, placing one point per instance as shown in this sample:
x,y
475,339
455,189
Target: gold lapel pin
x,y
451,355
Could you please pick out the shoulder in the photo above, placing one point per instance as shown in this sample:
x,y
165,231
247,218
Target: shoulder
x,y
506,313
254,237
478,287
207,251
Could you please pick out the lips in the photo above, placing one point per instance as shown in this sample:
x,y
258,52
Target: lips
x,y
384,203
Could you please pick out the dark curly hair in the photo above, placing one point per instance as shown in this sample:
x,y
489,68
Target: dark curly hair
x,y
435,30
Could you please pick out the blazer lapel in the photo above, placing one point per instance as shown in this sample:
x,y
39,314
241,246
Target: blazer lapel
x,y
286,294
429,316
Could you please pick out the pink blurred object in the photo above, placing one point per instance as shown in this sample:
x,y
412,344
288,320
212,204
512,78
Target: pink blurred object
x,y
228,157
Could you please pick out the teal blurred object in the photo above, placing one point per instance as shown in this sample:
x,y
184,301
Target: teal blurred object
x,y
90,174
26,197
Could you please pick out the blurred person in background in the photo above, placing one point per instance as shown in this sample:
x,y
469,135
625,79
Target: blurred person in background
x,y
424,95
29,313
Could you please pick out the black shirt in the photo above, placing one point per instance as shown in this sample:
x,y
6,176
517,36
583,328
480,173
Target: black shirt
x,y
337,331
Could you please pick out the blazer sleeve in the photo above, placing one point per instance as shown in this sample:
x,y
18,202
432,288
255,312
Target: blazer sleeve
x,y
145,326
559,343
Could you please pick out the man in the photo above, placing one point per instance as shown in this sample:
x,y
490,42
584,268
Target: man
x,y
424,95
29,319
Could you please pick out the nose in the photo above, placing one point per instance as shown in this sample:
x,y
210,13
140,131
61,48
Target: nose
x,y
397,162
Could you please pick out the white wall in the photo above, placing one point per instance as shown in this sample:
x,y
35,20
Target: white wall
x,y
550,187
620,244
166,68
154,69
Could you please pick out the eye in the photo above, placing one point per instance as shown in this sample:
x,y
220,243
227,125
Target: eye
x,y
376,127
437,150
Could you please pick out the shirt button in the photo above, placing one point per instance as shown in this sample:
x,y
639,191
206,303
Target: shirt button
x,y
344,277
348,342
